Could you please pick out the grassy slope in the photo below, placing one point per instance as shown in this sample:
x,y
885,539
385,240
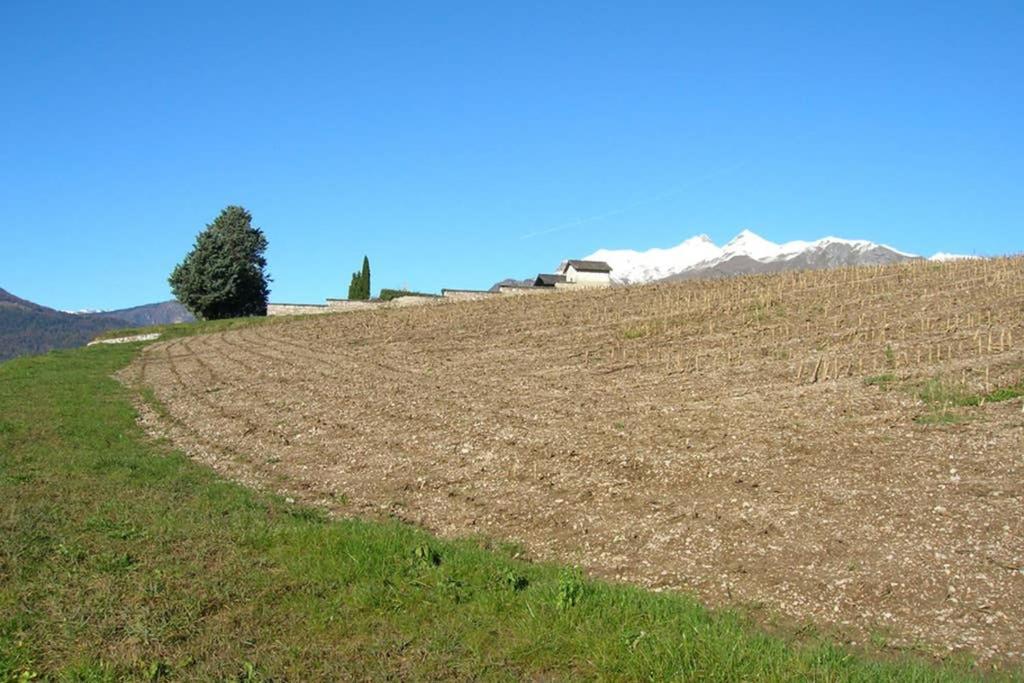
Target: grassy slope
x,y
120,558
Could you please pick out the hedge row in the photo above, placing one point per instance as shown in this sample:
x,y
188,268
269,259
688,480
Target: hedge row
x,y
389,294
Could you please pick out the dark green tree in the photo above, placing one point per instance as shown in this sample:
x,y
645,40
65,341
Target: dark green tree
x,y
224,276
366,277
359,287
355,287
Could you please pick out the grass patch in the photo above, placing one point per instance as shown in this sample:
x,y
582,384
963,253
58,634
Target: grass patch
x,y
884,381
634,333
941,397
123,560
1005,394
940,417
937,392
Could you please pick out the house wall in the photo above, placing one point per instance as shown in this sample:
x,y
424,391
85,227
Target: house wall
x,y
586,278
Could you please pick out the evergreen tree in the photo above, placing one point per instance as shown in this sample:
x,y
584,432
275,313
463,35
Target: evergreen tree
x,y
365,280
224,276
355,287
359,287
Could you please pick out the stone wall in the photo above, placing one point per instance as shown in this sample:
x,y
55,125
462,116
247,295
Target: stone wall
x,y
345,305
516,291
449,296
413,300
466,294
339,305
296,309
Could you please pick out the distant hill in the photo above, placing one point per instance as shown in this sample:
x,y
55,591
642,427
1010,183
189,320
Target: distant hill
x,y
28,328
163,313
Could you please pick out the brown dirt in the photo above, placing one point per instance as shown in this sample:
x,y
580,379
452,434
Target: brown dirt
x,y
715,437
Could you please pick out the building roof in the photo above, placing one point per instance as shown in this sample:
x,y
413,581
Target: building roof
x,y
548,280
588,266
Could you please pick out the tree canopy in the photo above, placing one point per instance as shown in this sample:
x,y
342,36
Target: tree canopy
x,y
224,276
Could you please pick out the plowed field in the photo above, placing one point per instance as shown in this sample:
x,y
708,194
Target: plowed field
x,y
843,447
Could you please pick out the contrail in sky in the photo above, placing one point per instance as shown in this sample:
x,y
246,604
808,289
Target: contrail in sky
x,y
651,200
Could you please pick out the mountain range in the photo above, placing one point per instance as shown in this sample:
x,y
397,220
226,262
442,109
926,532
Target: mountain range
x,y
27,327
747,253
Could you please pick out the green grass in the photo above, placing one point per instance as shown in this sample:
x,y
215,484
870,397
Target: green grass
x,y
941,397
938,392
884,381
940,416
1004,394
122,559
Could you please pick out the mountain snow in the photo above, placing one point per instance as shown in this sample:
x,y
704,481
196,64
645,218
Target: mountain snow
x,y
700,252
943,256
655,264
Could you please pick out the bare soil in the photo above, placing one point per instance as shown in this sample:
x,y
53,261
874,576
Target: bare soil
x,y
713,437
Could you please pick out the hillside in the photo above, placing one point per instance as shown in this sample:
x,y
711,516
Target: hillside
x,y
27,328
121,560
838,447
163,313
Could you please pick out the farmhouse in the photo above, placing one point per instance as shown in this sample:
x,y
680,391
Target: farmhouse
x,y
548,280
586,273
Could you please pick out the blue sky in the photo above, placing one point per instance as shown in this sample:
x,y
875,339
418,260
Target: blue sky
x,y
461,143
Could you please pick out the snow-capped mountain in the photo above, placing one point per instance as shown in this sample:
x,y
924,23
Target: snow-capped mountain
x,y
657,264
943,256
746,253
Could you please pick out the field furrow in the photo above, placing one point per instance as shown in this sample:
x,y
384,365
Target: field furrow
x,y
845,447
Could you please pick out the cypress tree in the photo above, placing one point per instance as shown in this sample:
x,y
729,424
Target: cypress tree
x,y
359,287
355,287
365,279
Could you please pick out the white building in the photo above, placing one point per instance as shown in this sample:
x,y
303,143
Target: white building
x,y
585,273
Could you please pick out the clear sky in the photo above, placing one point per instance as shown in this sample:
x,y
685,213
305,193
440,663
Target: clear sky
x,y
461,143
